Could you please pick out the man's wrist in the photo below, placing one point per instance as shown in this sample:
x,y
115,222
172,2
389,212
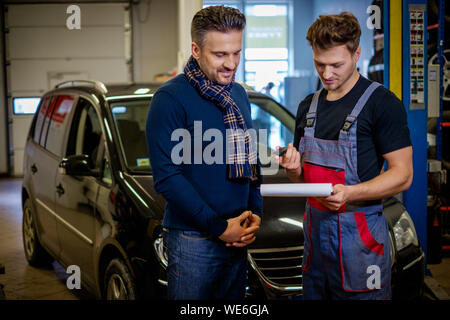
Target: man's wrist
x,y
294,174
219,227
353,192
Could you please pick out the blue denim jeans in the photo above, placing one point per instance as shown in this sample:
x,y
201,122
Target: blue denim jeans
x,y
201,267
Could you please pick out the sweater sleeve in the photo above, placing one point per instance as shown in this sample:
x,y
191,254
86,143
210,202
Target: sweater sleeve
x,y
165,116
255,201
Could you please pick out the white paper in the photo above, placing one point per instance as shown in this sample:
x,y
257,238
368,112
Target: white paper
x,y
296,190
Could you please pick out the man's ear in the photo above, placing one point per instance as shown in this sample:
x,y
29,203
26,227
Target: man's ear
x,y
195,49
357,54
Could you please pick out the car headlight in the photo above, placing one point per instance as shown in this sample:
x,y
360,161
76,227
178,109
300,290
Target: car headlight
x,y
160,250
404,232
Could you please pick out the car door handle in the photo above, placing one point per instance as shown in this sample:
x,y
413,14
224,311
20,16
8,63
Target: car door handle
x,y
60,190
34,168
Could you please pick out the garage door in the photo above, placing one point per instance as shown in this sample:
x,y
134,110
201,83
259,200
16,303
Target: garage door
x,y
42,51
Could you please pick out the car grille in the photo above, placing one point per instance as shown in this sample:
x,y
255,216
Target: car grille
x,y
279,268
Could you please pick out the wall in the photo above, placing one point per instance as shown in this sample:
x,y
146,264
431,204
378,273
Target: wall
x,y
3,144
155,38
155,45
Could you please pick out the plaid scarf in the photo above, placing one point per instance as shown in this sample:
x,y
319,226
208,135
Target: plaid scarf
x,y
241,155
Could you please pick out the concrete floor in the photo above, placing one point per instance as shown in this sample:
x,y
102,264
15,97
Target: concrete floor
x,y
22,281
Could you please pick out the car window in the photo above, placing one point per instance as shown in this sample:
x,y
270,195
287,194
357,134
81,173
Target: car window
x,y
85,134
106,172
273,124
58,124
46,123
129,117
43,109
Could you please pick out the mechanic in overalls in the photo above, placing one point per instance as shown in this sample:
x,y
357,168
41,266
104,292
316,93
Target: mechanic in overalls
x,y
344,133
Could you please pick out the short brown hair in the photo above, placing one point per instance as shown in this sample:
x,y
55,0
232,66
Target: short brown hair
x,y
333,30
216,18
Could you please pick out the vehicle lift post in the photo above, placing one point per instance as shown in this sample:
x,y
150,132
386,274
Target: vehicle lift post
x,y
397,77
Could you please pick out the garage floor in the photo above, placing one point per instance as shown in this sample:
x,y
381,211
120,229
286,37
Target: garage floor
x,y
24,282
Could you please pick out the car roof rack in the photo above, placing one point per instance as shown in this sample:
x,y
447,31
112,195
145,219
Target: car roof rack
x,y
95,83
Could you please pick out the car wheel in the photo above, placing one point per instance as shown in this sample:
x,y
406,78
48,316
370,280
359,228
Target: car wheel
x,y
119,283
35,254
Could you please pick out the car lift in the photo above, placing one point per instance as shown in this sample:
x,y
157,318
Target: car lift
x,y
406,75
398,78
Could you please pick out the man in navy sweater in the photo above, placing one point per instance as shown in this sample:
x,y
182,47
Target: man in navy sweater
x,y
213,201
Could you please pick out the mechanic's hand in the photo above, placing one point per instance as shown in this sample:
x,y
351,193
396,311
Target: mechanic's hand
x,y
291,161
251,221
238,228
337,199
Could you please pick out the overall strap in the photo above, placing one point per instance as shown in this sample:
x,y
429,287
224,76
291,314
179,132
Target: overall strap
x,y
358,107
312,115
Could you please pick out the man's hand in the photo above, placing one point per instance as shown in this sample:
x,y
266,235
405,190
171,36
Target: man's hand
x,y
235,231
338,197
291,161
252,221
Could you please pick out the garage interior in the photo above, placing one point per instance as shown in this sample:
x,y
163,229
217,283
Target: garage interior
x,y
137,41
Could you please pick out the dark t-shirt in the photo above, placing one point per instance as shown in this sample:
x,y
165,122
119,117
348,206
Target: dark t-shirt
x,y
382,126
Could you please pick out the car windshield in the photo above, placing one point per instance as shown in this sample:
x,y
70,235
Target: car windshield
x,y
130,116
274,126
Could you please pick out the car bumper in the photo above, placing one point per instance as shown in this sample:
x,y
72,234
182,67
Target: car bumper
x,y
408,274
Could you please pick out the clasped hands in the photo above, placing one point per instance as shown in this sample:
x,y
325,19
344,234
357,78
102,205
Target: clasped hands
x,y
240,231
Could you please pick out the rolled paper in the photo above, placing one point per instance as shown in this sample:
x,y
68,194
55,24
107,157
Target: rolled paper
x,y
296,190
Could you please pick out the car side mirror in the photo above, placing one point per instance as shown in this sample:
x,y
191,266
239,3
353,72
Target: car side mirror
x,y
78,165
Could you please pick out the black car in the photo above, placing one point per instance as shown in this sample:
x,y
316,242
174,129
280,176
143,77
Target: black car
x,y
88,199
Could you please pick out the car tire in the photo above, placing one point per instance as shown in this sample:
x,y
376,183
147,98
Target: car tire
x,y
35,254
119,283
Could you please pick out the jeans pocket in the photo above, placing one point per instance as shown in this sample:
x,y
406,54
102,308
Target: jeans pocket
x,y
363,251
195,235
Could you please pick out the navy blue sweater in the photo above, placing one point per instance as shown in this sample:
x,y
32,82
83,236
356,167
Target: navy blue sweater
x,y
199,196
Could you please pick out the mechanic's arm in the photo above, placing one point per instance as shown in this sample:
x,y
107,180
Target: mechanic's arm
x,y
397,178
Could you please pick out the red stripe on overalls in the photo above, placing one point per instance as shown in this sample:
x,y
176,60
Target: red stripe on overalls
x,y
365,234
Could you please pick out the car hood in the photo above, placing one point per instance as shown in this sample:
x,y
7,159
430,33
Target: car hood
x,y
281,222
